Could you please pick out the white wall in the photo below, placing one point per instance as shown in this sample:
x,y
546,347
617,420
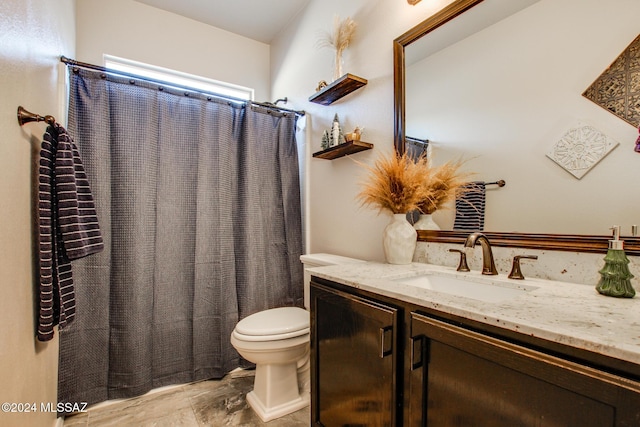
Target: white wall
x,y
338,224
136,31
503,97
33,34
586,33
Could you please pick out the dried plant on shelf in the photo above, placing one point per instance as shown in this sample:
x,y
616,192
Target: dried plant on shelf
x,y
339,39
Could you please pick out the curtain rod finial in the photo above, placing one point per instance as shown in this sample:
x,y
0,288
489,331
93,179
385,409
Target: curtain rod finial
x,y
25,117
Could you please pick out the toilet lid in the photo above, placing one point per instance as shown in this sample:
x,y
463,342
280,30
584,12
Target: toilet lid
x,y
276,321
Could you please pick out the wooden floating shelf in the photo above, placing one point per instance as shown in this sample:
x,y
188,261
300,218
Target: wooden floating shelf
x,y
343,150
336,90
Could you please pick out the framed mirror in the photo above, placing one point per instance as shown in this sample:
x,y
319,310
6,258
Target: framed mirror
x,y
461,20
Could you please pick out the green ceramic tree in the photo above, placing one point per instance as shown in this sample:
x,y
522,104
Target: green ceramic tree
x,y
616,277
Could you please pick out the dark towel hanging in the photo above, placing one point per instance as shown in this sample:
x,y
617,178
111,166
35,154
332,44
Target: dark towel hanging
x,y
68,227
470,206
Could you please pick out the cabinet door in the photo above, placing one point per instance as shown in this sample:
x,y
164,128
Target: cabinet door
x,y
353,360
463,378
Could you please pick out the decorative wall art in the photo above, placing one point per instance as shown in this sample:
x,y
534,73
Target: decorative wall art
x,y
580,149
618,88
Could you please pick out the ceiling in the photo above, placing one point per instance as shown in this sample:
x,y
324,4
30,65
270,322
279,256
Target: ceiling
x,y
260,20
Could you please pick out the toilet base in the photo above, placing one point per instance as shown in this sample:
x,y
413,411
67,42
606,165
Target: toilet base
x,y
276,389
268,414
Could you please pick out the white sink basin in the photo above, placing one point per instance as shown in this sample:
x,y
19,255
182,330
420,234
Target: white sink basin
x,y
479,289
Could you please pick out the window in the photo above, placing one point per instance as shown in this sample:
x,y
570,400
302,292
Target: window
x,y
178,78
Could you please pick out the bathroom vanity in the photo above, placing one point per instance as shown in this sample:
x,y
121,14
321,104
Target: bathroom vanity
x,y
425,345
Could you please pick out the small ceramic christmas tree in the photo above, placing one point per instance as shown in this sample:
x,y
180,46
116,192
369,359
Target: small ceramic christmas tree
x,y
325,140
616,277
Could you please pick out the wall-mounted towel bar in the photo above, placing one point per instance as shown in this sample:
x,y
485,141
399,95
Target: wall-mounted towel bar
x,y
417,140
25,116
499,183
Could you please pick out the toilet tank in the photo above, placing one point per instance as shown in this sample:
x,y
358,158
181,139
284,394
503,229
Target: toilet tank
x,y
320,260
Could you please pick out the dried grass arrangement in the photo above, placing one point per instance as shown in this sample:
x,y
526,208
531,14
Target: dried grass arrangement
x,y
339,39
400,184
394,184
443,184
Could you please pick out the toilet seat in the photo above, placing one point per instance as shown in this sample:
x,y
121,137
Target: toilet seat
x,y
273,324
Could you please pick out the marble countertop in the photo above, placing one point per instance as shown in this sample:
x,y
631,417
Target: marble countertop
x,y
566,313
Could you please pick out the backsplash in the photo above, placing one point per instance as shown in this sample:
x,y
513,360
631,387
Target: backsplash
x,y
573,267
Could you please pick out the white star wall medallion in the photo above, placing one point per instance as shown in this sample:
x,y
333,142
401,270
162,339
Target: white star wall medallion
x,y
580,149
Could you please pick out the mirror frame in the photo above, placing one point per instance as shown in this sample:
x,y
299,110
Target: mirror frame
x,y
557,242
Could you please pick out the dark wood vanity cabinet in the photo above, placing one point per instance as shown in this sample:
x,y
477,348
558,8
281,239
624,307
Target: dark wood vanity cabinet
x,y
354,360
377,361
464,378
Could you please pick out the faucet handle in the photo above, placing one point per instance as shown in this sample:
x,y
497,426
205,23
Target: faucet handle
x,y
462,266
516,272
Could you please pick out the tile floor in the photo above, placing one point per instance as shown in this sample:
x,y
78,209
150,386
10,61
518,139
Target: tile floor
x,y
207,403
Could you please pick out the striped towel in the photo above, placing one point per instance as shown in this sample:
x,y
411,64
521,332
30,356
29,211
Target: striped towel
x,y
68,227
470,206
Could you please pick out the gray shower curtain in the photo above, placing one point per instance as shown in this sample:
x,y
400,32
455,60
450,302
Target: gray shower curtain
x,y
198,200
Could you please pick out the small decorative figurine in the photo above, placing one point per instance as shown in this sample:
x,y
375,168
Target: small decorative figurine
x,y
336,137
321,85
355,135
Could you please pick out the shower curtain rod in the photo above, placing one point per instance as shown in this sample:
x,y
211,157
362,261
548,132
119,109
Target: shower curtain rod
x,y
270,106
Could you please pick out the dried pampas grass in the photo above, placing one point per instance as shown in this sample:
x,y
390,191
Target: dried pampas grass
x,y
441,186
339,39
342,34
394,184
400,184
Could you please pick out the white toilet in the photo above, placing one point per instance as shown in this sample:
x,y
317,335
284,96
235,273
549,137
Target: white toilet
x,y
277,341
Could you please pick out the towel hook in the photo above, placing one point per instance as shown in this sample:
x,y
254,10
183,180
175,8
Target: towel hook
x,y
25,116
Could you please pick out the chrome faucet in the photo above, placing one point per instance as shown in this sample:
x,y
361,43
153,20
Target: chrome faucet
x,y
488,265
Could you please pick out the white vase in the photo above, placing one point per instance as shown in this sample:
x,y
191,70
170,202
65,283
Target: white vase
x,y
426,222
399,240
